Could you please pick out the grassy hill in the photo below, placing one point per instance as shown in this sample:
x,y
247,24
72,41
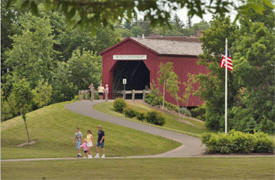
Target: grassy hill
x,y
173,122
53,127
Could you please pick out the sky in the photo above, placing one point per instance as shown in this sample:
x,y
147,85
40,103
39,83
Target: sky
x,y
182,13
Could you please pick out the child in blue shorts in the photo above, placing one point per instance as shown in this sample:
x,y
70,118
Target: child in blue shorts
x,y
78,141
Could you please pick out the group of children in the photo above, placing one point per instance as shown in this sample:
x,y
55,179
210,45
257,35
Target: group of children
x,y
87,143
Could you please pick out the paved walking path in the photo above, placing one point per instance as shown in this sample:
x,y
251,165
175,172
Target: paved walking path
x,y
139,157
191,146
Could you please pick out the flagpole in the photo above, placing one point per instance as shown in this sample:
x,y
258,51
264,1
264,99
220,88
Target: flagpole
x,y
225,110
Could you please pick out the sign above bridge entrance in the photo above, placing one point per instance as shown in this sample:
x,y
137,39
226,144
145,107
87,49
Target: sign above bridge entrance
x,y
130,57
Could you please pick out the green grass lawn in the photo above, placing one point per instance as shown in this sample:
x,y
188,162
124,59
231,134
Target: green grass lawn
x,y
162,168
171,120
53,127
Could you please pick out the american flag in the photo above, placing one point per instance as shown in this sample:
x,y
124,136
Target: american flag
x,y
229,63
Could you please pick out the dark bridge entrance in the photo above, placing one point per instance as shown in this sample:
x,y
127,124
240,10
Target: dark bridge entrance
x,y
136,73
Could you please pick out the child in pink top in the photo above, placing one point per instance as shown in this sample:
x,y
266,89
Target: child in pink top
x,y
85,148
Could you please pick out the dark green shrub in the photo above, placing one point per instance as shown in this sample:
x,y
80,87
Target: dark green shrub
x,y
216,144
155,117
6,111
76,98
213,121
199,112
129,112
171,107
250,126
238,142
149,98
241,142
140,116
185,111
119,105
267,126
263,143
96,96
152,99
8,108
242,119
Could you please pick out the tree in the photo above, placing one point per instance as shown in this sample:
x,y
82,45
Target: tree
x,y
201,26
251,83
105,38
168,78
9,27
70,38
63,88
177,28
140,28
32,54
124,32
42,94
178,23
109,12
211,88
23,100
254,56
6,112
173,86
84,68
8,106
189,88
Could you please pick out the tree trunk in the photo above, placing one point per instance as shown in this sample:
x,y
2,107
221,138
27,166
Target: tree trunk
x,y
178,105
164,84
27,131
189,97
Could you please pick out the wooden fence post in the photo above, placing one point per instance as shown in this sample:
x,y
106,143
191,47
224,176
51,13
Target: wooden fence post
x,y
133,94
92,94
79,95
124,94
143,94
85,94
106,96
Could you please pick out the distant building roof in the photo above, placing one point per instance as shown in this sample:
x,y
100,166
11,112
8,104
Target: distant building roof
x,y
174,38
172,45
167,45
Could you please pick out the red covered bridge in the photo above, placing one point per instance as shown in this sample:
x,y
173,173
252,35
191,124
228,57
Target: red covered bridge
x,y
138,60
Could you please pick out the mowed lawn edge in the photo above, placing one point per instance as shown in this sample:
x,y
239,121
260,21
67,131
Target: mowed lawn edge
x,y
230,168
53,128
172,121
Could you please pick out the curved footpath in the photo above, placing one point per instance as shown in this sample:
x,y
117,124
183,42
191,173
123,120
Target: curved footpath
x,y
191,146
